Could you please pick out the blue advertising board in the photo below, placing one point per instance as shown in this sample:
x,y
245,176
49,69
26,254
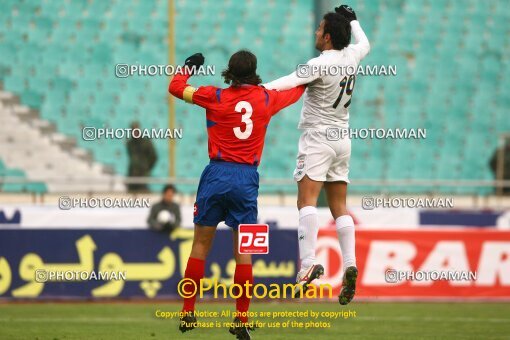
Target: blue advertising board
x,y
124,263
465,218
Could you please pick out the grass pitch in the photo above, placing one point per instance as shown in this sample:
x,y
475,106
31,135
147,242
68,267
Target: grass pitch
x,y
58,321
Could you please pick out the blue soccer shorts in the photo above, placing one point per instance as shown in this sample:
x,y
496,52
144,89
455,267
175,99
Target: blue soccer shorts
x,y
227,192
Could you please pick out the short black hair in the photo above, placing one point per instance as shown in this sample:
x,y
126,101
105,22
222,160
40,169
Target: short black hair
x,y
169,187
242,69
339,29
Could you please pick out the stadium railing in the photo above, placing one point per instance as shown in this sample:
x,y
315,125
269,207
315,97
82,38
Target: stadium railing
x,y
378,185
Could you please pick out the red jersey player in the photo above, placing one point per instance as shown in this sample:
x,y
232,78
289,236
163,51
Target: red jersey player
x,y
237,121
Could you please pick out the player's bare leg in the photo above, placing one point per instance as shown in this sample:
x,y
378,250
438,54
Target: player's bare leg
x,y
336,193
243,275
203,238
202,242
308,193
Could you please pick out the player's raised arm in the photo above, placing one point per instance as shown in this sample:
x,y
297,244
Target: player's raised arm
x,y
279,100
203,96
179,86
302,76
361,44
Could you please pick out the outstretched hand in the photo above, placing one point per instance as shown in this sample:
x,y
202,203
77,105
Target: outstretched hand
x,y
195,60
347,12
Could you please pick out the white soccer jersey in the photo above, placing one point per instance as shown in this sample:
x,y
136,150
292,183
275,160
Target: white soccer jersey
x,y
330,81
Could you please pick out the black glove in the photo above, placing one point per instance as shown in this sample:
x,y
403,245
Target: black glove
x,y
347,12
196,60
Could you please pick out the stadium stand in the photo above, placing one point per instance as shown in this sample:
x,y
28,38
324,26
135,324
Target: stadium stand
x,y
32,152
72,83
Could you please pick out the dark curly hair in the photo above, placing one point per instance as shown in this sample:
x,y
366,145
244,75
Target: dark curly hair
x,y
339,29
242,69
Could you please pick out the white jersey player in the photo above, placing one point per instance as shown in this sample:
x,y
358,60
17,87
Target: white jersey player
x,y
324,152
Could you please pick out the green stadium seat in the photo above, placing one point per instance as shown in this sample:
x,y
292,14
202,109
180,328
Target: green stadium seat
x,y
11,186
32,98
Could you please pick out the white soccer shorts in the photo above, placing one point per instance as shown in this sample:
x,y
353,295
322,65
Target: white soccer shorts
x,y
323,157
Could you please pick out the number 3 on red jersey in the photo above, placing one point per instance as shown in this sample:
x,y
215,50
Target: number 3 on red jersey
x,y
245,118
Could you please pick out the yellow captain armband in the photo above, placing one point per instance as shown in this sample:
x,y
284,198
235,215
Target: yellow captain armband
x,y
187,95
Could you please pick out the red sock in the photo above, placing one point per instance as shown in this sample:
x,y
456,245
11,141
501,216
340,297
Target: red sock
x,y
242,275
194,271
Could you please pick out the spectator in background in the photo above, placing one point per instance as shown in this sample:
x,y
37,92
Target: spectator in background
x,y
142,157
165,215
506,165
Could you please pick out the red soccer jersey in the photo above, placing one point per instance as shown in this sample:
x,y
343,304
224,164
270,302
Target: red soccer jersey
x,y
237,117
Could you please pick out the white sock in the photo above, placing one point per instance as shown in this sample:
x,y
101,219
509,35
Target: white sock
x,y
307,235
345,232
